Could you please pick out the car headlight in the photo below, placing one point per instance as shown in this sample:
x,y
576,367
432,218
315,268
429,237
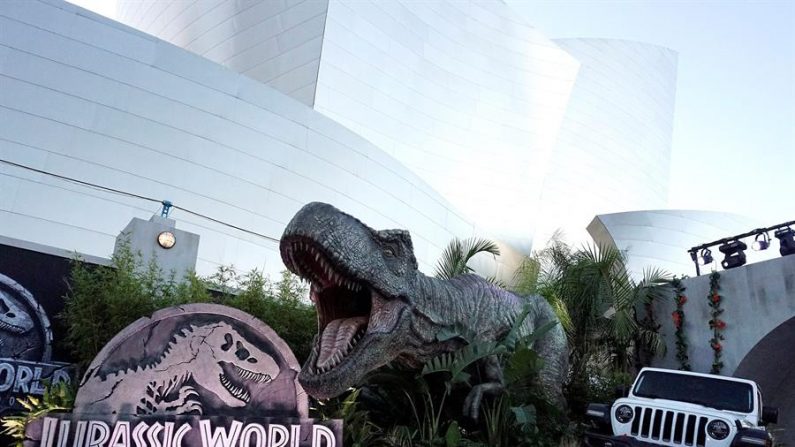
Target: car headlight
x,y
718,429
624,414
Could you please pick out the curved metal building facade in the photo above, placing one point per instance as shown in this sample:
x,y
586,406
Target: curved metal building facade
x,y
614,148
445,118
465,94
88,98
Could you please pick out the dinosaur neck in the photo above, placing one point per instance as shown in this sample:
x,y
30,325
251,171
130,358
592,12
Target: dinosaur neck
x,y
467,301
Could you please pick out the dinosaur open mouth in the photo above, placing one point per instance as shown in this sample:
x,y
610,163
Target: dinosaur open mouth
x,y
343,304
8,327
235,379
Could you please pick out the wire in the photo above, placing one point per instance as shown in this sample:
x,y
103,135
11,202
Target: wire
x,y
137,196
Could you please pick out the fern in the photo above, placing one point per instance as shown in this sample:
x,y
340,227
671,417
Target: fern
x,y
57,397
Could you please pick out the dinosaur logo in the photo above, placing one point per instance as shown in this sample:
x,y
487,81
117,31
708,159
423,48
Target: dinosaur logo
x,y
24,326
25,350
198,375
198,359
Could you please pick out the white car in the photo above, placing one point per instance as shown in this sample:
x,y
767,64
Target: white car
x,y
681,408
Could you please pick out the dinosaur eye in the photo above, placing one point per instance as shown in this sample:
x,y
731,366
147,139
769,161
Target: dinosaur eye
x,y
252,360
241,353
389,252
228,339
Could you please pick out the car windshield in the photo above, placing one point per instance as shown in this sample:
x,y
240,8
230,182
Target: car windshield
x,y
707,391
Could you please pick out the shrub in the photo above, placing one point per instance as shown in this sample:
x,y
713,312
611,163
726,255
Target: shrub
x,y
101,301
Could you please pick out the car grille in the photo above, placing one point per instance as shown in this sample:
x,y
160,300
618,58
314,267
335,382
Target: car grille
x,y
670,427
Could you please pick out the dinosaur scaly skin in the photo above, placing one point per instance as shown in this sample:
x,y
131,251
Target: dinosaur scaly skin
x,y
374,306
208,361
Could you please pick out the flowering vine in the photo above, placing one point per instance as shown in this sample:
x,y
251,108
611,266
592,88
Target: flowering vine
x,y
715,323
678,317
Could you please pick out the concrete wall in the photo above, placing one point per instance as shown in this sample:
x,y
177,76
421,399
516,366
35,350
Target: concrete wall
x,y
757,298
89,98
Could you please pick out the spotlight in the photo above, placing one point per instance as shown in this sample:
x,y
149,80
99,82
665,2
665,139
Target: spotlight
x,y
706,256
761,242
735,256
786,239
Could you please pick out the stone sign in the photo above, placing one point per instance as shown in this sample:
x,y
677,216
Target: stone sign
x,y
195,375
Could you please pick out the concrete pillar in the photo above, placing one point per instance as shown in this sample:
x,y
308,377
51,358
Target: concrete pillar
x,y
158,238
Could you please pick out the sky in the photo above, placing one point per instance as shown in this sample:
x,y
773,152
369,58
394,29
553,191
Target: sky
x,y
734,123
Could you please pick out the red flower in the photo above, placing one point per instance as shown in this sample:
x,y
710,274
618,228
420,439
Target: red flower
x,y
682,300
720,324
716,346
677,319
715,298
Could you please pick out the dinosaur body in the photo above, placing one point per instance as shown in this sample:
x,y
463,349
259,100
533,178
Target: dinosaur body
x,y
375,307
201,364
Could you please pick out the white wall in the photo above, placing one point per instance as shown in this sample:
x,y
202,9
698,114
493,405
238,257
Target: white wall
x,y
614,147
86,97
466,94
273,41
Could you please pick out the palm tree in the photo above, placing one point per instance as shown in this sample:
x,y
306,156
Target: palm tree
x,y
599,304
459,252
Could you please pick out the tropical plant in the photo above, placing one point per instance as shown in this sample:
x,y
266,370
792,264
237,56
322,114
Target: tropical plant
x,y
607,314
458,253
359,429
57,397
425,408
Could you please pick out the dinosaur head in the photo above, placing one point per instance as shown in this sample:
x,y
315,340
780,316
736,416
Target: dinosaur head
x,y
13,318
361,281
224,362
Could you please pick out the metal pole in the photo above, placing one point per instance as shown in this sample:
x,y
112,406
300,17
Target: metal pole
x,y
694,257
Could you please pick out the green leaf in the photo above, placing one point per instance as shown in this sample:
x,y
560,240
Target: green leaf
x,y
453,436
459,252
525,416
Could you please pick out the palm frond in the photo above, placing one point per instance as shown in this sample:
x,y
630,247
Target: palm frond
x,y
458,253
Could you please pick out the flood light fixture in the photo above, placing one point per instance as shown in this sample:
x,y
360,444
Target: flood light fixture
x,y
786,240
734,253
706,257
734,248
761,242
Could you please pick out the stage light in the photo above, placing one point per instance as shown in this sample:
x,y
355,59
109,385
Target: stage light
x,y
761,242
735,256
786,240
706,256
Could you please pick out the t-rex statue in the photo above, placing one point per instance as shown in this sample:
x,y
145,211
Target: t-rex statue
x,y
374,307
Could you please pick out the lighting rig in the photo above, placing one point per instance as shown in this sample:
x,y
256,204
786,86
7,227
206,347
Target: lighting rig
x,y
733,248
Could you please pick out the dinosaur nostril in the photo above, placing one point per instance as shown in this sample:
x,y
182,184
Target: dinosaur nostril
x,y
252,360
228,344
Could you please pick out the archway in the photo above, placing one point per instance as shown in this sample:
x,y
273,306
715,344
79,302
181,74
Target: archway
x,y
771,364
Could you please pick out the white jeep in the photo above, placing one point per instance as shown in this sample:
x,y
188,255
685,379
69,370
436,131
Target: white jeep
x,y
680,408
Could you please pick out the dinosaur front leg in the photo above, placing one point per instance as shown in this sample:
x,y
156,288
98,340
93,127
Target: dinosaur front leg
x,y
492,385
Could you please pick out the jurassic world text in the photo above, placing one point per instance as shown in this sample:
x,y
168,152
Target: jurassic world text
x,y
199,432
